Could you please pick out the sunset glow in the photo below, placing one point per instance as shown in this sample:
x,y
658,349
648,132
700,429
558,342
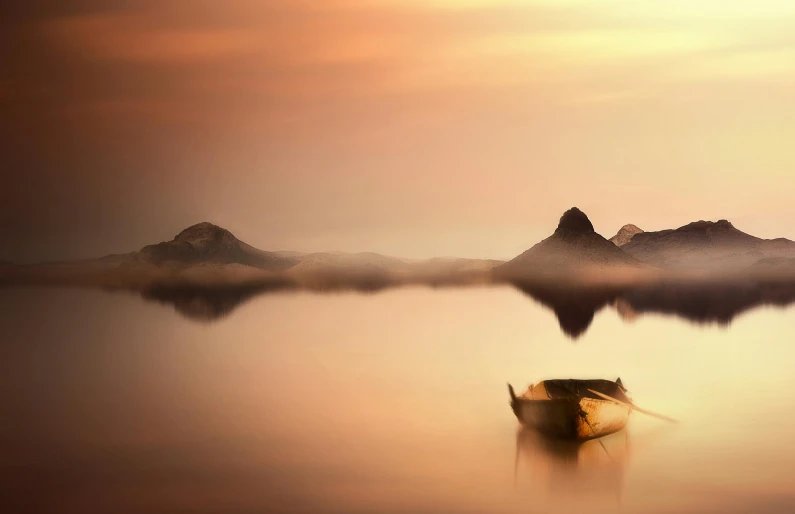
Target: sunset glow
x,y
397,256
342,124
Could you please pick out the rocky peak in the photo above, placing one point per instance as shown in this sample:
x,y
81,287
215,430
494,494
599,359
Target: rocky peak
x,y
574,222
205,234
706,225
624,235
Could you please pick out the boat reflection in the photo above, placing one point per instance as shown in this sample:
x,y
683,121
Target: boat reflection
x,y
568,469
593,471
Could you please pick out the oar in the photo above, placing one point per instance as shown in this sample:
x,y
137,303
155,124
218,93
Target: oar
x,y
635,407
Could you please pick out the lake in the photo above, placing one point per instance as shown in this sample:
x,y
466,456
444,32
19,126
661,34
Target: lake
x,y
390,402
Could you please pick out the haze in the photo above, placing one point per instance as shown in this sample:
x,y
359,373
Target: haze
x,y
411,128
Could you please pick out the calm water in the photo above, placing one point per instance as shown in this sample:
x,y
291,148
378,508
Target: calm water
x,y
392,402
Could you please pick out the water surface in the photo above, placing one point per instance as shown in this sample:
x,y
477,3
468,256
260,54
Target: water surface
x,y
387,402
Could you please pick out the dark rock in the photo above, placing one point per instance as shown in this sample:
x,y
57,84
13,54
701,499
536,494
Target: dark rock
x,y
707,245
574,247
574,222
205,243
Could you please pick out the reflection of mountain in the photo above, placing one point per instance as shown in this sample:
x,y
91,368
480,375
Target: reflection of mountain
x,y
574,306
365,277
708,303
206,272
208,303
213,302
700,302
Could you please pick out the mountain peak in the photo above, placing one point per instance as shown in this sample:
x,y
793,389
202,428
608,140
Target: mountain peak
x,y
705,245
574,222
706,225
574,247
205,243
201,232
624,235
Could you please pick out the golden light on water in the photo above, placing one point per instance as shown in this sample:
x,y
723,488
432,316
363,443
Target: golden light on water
x,y
391,399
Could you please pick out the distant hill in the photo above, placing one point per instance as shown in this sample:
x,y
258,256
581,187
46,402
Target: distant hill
x,y
773,266
439,265
370,264
372,270
626,233
320,260
707,245
309,261
575,246
205,243
289,254
208,256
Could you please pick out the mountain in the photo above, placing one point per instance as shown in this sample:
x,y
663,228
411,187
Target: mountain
x,y
289,254
626,233
776,267
446,265
208,256
372,271
205,243
339,260
707,245
575,246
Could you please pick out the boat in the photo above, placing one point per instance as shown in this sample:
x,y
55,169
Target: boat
x,y
573,409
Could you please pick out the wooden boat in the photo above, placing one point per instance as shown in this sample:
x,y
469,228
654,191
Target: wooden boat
x,y
571,409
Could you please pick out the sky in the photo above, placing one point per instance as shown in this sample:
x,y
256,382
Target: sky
x,y
414,128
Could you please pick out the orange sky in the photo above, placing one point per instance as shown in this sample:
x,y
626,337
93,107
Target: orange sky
x,y
407,127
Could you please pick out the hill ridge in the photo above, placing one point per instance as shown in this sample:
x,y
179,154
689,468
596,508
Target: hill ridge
x,y
574,247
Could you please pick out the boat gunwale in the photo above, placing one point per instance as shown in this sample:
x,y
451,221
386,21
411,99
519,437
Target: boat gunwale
x,y
577,399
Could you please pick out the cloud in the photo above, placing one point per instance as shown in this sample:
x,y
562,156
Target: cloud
x,y
129,38
288,60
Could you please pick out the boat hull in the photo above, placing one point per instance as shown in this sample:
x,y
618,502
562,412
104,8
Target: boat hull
x,y
572,418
